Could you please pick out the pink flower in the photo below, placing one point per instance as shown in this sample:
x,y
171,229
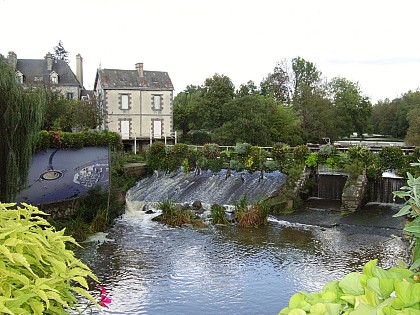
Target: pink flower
x,y
104,297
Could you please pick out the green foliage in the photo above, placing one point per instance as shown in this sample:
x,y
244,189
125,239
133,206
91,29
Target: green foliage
x,y
332,162
211,158
21,116
197,137
411,193
312,160
327,150
156,156
354,169
393,117
251,216
218,215
58,139
175,215
175,156
63,114
374,291
283,155
391,158
413,131
38,274
360,153
300,152
271,166
353,110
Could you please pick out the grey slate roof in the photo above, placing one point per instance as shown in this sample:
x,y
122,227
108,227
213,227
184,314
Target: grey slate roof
x,y
130,79
37,68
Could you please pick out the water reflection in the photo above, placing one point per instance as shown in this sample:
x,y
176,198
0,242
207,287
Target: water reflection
x,y
150,268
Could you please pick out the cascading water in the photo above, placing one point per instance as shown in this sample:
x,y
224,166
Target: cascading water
x,y
330,186
208,187
380,190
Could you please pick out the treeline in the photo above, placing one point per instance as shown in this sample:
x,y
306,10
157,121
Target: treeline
x,y
294,104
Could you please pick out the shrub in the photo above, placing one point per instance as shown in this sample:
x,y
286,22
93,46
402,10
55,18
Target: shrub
x,y
57,139
218,215
411,193
354,169
312,160
38,273
360,153
253,216
391,158
176,216
374,291
155,156
175,156
300,153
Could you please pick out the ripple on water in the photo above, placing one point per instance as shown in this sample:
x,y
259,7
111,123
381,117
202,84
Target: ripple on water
x,y
150,268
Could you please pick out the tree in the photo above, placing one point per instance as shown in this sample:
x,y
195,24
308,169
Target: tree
x,y
187,108
306,78
279,83
353,110
66,115
60,53
245,120
247,89
21,116
413,131
219,90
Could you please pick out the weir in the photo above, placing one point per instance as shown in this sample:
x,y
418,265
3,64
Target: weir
x,y
208,187
330,186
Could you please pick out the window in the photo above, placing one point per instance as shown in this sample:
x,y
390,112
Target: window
x,y
124,101
125,129
70,96
19,77
54,78
157,102
157,129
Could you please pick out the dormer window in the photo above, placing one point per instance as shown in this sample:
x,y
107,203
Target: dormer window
x,y
54,77
19,77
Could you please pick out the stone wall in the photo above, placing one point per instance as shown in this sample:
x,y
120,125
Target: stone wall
x,y
354,193
61,209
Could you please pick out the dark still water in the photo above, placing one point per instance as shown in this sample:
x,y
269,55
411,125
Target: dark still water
x,y
150,268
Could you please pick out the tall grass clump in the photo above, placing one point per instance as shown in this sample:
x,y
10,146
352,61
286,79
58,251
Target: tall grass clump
x,y
177,216
251,216
218,215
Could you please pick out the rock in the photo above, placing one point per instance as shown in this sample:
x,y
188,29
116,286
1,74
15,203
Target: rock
x,y
150,211
145,208
197,205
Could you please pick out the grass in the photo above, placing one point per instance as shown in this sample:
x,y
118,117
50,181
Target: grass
x,y
218,215
175,215
252,216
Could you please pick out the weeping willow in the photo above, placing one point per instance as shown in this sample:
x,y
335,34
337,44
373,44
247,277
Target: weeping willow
x,y
21,116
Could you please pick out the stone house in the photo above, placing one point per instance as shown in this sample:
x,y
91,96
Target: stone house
x,y
55,74
138,104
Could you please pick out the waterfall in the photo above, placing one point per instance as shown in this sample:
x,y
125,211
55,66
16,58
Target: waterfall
x,y
380,190
207,187
329,186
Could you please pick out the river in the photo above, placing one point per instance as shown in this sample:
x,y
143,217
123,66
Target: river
x,y
150,268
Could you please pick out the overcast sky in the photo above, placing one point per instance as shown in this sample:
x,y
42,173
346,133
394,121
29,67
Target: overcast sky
x,y
373,42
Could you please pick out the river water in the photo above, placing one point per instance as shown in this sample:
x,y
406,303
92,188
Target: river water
x,y
150,268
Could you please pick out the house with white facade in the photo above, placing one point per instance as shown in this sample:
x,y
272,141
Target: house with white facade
x,y
138,104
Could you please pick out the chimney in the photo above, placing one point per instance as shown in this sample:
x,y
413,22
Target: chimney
x,y
139,68
79,69
12,59
49,59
